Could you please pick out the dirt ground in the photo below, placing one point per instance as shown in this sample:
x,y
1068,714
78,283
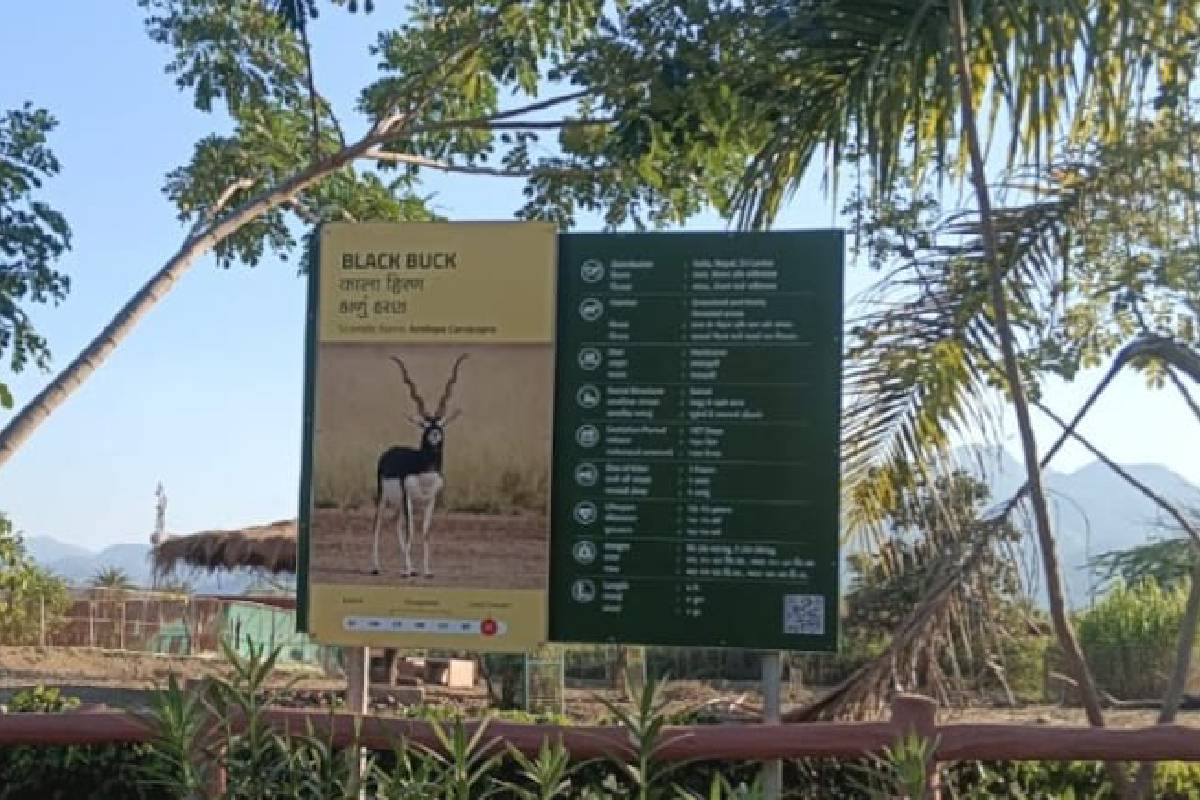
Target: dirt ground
x,y
22,666
466,550
83,665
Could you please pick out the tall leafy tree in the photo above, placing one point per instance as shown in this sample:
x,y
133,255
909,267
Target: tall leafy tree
x,y
33,236
457,92
32,600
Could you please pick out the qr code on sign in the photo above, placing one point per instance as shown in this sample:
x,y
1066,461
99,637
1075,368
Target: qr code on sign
x,y
804,614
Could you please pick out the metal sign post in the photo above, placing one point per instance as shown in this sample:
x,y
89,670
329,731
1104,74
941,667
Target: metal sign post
x,y
358,694
772,775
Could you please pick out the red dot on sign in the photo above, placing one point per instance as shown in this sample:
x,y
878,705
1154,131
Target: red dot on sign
x,y
488,627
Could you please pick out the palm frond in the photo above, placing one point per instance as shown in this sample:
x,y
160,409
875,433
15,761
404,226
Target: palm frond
x,y
873,78
920,360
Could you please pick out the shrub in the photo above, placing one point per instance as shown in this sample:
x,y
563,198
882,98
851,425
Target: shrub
x,y
1071,780
108,772
1129,637
29,594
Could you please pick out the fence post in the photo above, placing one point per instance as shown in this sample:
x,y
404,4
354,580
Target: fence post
x,y
121,637
914,713
42,629
91,623
188,625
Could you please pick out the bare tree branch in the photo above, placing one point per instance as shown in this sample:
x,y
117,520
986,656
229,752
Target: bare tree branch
x,y
1149,346
1156,498
530,125
466,169
1187,396
490,120
225,196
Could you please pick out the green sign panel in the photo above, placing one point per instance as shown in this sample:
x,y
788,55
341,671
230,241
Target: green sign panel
x,y
696,440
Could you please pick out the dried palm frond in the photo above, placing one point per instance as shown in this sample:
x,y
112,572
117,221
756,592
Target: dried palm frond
x,y
268,547
950,614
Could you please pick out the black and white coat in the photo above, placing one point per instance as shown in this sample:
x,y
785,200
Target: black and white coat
x,y
410,478
405,477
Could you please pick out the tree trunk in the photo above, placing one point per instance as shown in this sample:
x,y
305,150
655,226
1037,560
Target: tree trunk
x,y
1037,496
1186,645
197,244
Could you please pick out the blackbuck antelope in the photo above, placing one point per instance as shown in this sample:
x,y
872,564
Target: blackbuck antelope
x,y
406,475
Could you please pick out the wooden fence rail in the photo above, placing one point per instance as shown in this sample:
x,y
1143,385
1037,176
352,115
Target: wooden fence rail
x,y
957,742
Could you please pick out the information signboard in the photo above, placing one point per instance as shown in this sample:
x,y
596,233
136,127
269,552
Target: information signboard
x,y
423,519
696,440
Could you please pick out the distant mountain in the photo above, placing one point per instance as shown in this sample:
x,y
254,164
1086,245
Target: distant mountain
x,y
46,550
78,565
1093,509
133,559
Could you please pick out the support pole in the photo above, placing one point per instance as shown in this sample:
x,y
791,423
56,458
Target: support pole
x,y
358,676
772,774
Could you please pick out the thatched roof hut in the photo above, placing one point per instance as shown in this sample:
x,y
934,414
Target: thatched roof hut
x,y
269,547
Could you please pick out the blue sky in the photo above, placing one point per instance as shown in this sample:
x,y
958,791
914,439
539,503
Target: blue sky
x,y
205,395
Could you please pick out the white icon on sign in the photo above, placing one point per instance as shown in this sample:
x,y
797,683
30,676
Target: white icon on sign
x,y
583,591
585,512
589,358
588,396
584,552
586,474
587,435
591,271
591,309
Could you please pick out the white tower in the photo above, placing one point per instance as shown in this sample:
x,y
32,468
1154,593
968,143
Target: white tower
x,y
160,516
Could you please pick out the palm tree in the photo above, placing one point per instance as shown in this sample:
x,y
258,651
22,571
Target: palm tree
x,y
887,80
113,578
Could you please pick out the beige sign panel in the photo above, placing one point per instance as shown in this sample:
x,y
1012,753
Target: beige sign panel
x,y
431,383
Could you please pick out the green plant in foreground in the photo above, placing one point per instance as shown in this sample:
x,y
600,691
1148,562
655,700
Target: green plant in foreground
x,y
314,768
104,772
226,724
647,776
543,778
901,770
414,776
467,762
178,763
722,788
